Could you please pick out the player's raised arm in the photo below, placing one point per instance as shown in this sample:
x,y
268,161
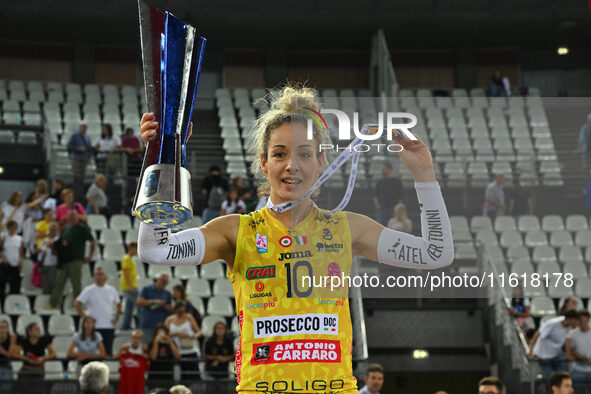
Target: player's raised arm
x,y
215,240
434,249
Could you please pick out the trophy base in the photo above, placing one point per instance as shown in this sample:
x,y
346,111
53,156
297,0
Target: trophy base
x,y
156,204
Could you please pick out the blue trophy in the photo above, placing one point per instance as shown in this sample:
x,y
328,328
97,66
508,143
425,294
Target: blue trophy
x,y
172,54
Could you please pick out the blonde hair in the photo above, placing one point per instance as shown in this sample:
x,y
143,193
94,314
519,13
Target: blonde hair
x,y
399,207
287,104
98,177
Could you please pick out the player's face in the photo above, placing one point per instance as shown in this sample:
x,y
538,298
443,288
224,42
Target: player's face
x,y
293,162
566,387
374,381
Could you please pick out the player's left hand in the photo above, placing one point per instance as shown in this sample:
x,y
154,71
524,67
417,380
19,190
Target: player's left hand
x,y
417,158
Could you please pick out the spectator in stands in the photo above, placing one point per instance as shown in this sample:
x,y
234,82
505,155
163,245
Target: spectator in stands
x,y
561,383
134,346
96,197
389,192
163,353
11,260
578,350
549,340
33,215
400,221
154,301
520,202
519,308
214,188
94,378
88,344
128,284
105,148
33,350
61,212
374,379
180,389
48,257
14,210
497,87
219,351
70,257
583,147
159,390
7,344
246,194
80,150
38,197
55,198
133,364
132,144
42,226
179,294
232,204
569,304
490,385
101,300
494,198
184,331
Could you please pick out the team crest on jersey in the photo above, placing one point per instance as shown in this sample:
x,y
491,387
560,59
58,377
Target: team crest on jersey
x,y
261,243
326,234
285,241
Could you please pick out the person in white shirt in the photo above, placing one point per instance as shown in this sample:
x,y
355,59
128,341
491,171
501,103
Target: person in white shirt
x,y
101,300
578,350
548,342
494,198
106,150
11,260
232,204
374,379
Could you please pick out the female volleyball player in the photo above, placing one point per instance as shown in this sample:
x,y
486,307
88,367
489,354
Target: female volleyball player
x,y
290,342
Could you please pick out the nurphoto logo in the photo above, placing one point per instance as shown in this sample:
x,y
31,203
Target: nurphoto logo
x,y
393,129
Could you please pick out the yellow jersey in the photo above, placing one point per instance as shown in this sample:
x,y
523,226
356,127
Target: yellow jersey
x,y
292,339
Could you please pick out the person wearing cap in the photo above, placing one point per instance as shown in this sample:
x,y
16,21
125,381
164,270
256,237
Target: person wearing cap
x,y
80,150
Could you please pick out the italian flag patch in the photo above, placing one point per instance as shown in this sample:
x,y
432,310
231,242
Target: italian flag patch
x,y
300,240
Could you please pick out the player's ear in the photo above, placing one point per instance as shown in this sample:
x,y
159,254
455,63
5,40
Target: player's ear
x,y
321,158
264,165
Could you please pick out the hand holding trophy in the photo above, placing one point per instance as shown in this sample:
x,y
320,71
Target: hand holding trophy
x,y
172,55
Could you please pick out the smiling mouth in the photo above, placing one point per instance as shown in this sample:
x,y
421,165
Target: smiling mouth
x,y
291,181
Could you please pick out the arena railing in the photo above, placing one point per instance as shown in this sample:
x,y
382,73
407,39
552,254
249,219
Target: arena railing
x,y
506,331
360,352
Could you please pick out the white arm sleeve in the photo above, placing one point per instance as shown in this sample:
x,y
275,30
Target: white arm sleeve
x,y
434,249
157,245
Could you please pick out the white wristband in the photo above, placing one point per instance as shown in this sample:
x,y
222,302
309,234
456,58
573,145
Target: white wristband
x,y
157,245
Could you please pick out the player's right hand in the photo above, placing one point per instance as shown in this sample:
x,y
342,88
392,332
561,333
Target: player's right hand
x,y
149,127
